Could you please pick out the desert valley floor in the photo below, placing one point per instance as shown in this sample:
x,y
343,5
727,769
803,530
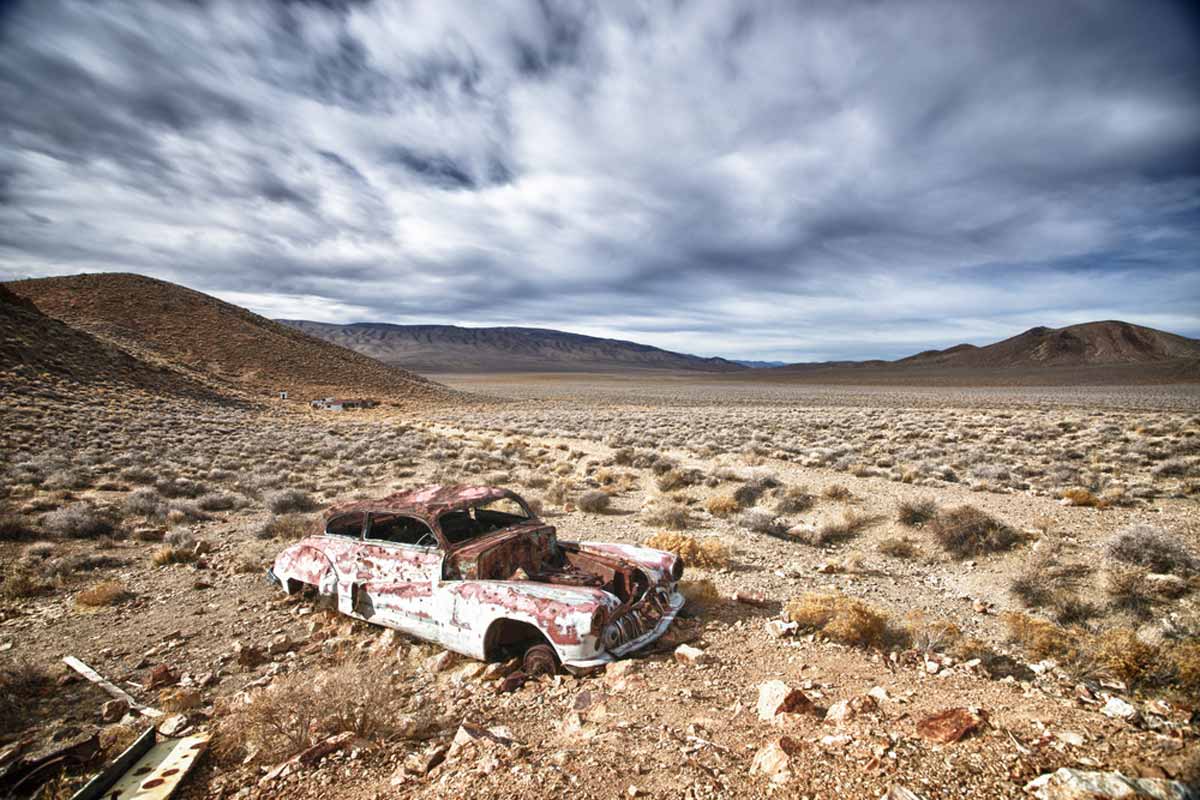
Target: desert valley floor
x,y
1025,558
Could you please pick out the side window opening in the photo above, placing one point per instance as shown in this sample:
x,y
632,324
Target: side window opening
x,y
349,525
399,529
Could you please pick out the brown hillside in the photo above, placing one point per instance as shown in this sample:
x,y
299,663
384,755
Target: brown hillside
x,y
218,341
1087,344
40,356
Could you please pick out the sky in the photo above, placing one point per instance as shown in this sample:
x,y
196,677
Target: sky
x,y
792,181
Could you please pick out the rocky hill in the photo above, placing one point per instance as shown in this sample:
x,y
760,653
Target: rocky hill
x,y
1087,344
449,348
215,342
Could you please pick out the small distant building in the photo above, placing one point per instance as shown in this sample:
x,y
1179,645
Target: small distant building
x,y
343,403
283,394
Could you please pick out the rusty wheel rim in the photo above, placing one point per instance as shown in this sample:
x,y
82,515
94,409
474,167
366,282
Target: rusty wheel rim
x,y
539,660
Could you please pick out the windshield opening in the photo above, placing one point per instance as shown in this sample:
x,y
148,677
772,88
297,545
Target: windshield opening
x,y
470,523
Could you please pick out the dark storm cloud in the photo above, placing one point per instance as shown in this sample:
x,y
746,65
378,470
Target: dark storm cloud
x,y
793,181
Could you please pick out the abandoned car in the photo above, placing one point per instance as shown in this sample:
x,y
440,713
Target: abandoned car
x,y
473,569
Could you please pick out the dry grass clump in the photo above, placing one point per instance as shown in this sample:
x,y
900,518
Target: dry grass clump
x,y
15,528
840,618
700,592
77,521
836,492
709,553
560,492
22,682
930,635
678,478
1128,589
286,526
848,527
966,531
1152,548
666,513
759,520
145,502
22,582
721,505
105,593
179,548
290,501
298,709
1078,496
916,512
594,501
898,547
218,501
749,492
794,500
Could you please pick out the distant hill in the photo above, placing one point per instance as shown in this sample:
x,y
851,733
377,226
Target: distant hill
x,y
1087,344
1096,353
449,348
40,355
216,342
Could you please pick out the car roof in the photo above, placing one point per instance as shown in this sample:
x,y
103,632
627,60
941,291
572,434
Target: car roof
x,y
430,501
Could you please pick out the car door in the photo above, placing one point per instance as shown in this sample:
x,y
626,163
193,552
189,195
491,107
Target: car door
x,y
396,573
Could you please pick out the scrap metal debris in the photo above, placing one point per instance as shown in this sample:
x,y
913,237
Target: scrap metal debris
x,y
114,690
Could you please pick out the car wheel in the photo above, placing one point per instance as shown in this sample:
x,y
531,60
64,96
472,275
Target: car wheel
x,y
539,660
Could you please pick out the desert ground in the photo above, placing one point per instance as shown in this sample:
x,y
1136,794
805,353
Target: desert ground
x,y
1026,559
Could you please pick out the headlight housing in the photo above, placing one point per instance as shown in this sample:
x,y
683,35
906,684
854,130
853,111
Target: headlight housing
x,y
677,569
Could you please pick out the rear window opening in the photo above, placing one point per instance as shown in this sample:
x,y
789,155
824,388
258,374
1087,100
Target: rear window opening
x,y
466,524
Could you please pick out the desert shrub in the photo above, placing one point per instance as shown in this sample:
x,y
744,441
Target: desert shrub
x,y
930,635
594,501
760,520
1078,496
749,492
560,492
1034,587
916,512
1119,653
180,537
1185,661
67,478
1128,588
172,554
840,618
836,492
286,526
105,593
711,553
77,521
1068,608
794,500
138,475
145,502
721,505
662,465
966,531
1040,638
185,511
666,513
15,527
1153,548
217,501
677,478
849,526
21,582
700,592
290,501
1173,468
298,709
179,487
22,683
898,547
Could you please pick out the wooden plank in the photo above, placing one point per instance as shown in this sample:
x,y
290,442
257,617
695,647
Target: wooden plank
x,y
114,690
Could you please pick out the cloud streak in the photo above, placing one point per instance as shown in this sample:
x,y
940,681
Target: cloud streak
x,y
797,182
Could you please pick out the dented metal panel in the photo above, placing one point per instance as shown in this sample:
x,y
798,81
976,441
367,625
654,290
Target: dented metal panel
x,y
591,602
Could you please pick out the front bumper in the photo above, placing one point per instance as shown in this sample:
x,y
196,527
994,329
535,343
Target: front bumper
x,y
655,633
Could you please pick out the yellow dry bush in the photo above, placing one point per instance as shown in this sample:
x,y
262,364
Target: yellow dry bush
x,y
1119,653
840,618
930,635
169,554
700,592
721,505
1077,496
107,593
1040,638
711,553
1184,657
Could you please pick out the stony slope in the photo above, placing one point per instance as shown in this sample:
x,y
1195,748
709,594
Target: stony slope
x,y
41,356
216,341
449,348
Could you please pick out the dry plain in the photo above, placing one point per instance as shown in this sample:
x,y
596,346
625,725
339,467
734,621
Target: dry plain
x,y
1029,554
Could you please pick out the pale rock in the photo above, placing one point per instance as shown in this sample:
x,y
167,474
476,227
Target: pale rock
x,y
1072,738
1117,708
1074,784
175,725
774,759
777,628
247,656
279,645
113,710
776,697
686,654
897,792
440,662
879,694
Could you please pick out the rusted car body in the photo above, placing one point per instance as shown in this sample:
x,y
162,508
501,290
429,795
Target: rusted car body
x,y
472,568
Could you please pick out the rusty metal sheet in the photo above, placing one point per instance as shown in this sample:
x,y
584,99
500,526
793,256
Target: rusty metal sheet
x,y
157,774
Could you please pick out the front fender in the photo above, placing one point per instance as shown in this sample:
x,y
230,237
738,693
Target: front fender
x,y
306,564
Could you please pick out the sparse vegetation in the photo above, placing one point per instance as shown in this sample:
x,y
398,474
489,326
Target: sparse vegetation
x,y
836,491
898,547
1153,548
105,593
77,521
706,553
722,505
840,618
915,513
849,526
594,501
290,501
794,500
700,592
